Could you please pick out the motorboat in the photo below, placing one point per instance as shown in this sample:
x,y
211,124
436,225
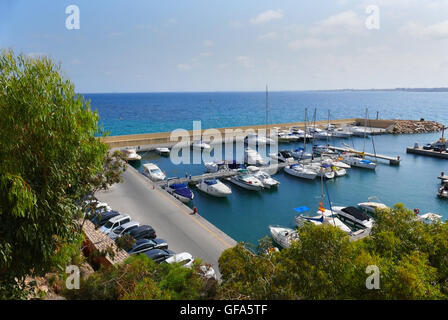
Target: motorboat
x,y
429,217
356,161
282,156
339,172
283,136
360,132
336,163
222,165
300,154
283,236
163,151
321,149
130,154
301,171
254,139
214,187
317,133
325,217
266,179
246,180
153,172
180,191
371,206
339,132
354,217
252,157
200,145
443,191
323,170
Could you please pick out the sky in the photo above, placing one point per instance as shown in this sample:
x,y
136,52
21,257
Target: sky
x,y
234,45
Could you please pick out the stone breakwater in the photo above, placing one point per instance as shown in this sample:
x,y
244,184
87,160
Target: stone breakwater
x,y
415,126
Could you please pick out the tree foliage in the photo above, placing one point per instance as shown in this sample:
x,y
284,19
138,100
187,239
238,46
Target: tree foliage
x,y
49,159
411,257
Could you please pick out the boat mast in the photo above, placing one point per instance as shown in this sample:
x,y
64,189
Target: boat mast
x,y
365,131
210,113
304,137
267,108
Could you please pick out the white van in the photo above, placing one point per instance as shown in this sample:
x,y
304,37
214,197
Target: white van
x,y
115,222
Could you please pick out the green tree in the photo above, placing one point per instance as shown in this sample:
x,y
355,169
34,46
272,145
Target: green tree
x,y
49,159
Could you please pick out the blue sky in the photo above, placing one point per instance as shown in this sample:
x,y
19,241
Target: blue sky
x,y
192,45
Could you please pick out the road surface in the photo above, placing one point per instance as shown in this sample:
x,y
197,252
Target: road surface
x,y
172,220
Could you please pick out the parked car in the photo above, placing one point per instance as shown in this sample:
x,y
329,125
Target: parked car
x,y
159,255
438,149
100,218
143,232
115,222
427,146
131,225
143,245
183,258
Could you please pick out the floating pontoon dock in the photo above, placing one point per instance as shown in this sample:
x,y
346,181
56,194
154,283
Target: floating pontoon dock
x,y
392,160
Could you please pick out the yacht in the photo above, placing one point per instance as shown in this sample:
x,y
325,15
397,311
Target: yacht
x,y
283,236
163,151
354,217
443,191
339,172
429,217
252,157
371,206
321,149
130,154
335,162
222,165
246,180
356,161
266,179
200,145
301,171
325,217
300,154
323,170
282,156
180,191
317,133
339,133
254,139
214,187
153,172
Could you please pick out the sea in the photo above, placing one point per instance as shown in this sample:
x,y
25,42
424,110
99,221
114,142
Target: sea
x,y
245,215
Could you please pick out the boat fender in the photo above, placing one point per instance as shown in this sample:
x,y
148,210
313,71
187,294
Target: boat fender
x,y
416,211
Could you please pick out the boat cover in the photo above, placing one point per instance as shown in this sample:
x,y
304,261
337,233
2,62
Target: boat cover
x,y
210,182
185,192
176,186
356,213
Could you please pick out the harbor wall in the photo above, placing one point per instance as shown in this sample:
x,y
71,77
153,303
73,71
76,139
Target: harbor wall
x,y
163,138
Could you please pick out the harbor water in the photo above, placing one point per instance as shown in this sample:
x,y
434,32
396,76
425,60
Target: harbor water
x,y
245,215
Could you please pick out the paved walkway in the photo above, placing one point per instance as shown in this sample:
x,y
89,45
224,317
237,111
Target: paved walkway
x,y
172,220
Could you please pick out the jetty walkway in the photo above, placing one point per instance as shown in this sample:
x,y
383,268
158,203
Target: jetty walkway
x,y
173,221
392,160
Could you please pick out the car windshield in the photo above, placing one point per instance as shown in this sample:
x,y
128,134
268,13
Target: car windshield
x,y
118,230
108,225
155,170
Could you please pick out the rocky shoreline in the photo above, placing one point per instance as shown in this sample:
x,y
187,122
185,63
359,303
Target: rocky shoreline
x,y
415,126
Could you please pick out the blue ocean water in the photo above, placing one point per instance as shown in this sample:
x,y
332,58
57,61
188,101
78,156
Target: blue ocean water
x,y
132,113
246,215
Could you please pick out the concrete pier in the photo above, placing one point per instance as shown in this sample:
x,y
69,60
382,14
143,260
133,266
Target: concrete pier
x,y
172,220
429,153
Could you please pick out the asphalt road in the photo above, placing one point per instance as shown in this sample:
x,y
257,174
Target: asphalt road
x,y
172,220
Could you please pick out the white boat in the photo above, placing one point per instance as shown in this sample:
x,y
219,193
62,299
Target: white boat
x,y
443,191
323,170
336,163
214,187
200,145
153,172
222,165
354,217
180,191
317,133
429,217
339,133
282,156
253,139
266,179
283,236
301,154
163,151
355,161
371,206
246,180
301,171
252,157
326,217
339,172
321,149
130,154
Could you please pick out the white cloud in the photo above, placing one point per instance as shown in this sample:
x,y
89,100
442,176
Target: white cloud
x,y
184,67
344,22
207,43
437,31
205,54
244,61
315,43
269,36
267,16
